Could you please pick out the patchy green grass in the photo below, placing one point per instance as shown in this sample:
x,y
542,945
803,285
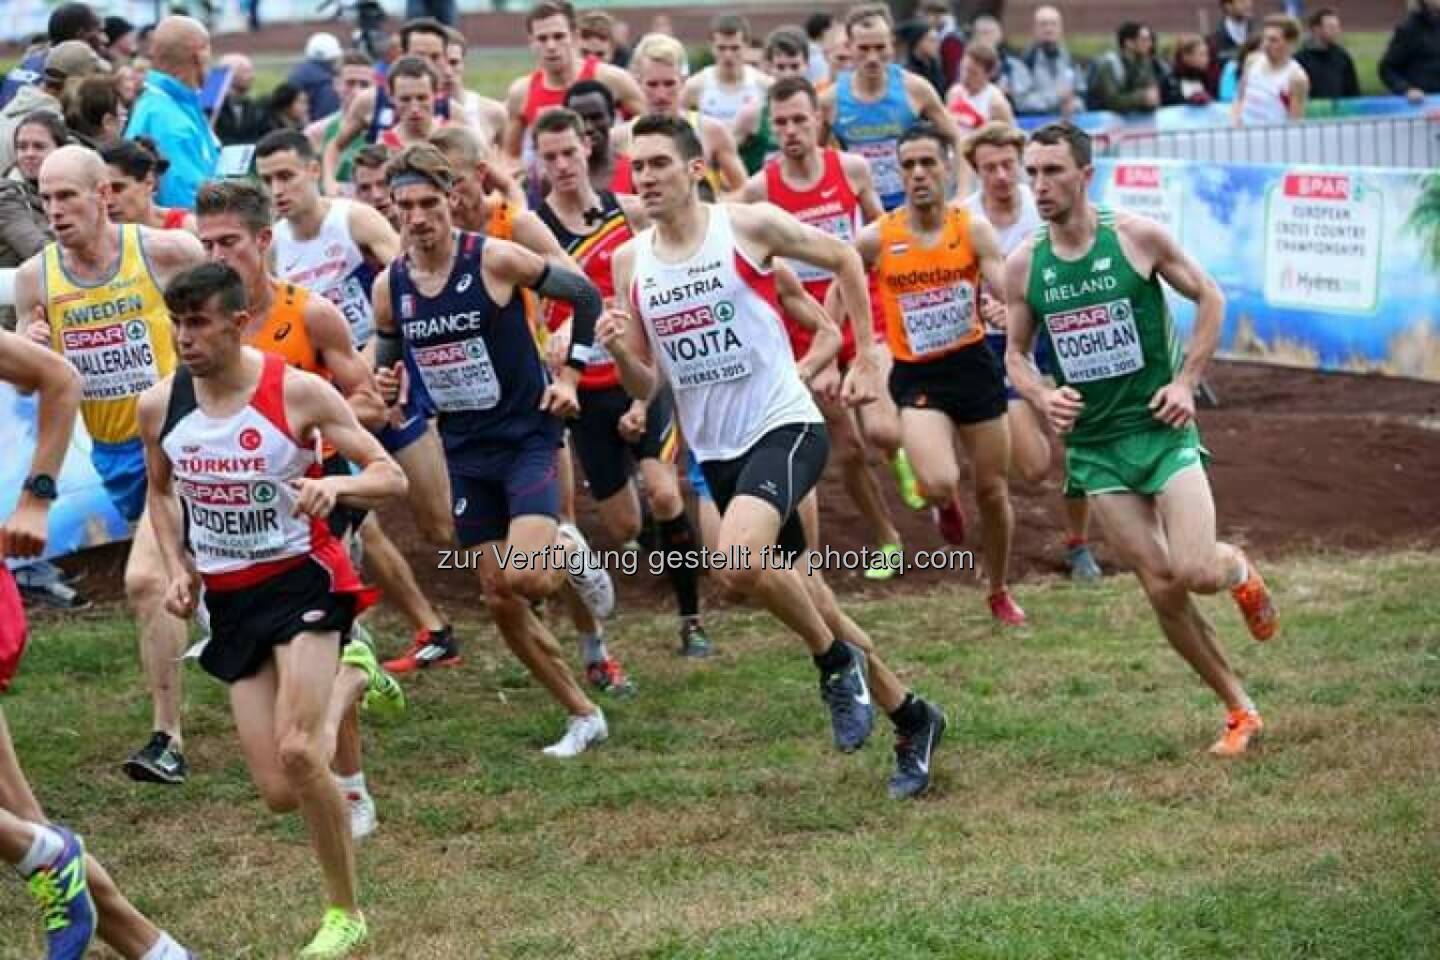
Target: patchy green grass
x,y
1075,812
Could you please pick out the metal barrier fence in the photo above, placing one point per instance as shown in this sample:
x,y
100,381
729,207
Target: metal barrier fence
x,y
1405,142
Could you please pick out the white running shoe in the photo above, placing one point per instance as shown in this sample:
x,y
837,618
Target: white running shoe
x,y
363,819
592,582
580,732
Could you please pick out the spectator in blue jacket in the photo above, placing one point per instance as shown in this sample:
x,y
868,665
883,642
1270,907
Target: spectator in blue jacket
x,y
169,110
316,74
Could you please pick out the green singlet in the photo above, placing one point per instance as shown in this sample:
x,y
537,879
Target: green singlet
x,y
759,147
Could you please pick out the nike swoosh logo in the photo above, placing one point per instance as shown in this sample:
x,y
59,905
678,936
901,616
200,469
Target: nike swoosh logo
x,y
827,194
924,765
863,697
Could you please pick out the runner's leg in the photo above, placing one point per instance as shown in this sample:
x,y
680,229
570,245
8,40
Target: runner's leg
x,y
162,636
395,578
988,445
424,464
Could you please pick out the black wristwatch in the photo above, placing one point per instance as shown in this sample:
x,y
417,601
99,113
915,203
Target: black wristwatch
x,y
42,486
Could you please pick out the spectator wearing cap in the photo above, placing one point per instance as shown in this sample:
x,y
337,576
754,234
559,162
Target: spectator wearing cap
x,y
71,60
169,111
69,21
123,40
1411,63
1327,64
1054,79
316,74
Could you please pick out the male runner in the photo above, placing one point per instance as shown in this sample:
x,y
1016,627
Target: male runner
x,y
614,435
1125,403
235,433
94,295
235,220
785,56
452,302
356,76
994,152
369,182
720,90
484,115
558,64
413,86
594,104
868,108
833,192
929,258
77,898
335,247
702,294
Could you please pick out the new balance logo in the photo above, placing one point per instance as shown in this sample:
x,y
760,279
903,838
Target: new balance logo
x,y
1102,264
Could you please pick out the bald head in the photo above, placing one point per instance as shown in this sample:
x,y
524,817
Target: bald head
x,y
243,72
75,191
75,165
180,46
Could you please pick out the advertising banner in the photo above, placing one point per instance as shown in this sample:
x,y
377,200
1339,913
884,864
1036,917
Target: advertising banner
x,y
1325,268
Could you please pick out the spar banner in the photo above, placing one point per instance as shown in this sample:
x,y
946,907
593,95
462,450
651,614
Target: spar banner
x,y
83,516
1324,268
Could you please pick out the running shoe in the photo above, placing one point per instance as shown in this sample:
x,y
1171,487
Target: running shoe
x,y
1241,727
591,581
159,761
580,733
430,648
1084,568
341,934
694,642
1253,599
1004,608
847,693
609,677
383,695
905,482
886,565
912,756
363,819
950,519
63,892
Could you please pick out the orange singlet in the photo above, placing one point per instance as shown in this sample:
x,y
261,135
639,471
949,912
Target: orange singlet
x,y
284,331
928,294
501,226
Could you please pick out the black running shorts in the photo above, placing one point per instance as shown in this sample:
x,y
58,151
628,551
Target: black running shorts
x,y
968,385
781,468
607,458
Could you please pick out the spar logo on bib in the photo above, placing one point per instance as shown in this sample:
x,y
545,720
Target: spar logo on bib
x,y
1097,342
249,439
724,311
135,330
475,350
263,492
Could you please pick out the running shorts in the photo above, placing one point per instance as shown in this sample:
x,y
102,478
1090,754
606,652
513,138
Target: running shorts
x,y
781,468
607,458
968,385
394,439
1044,360
490,486
1140,463
121,467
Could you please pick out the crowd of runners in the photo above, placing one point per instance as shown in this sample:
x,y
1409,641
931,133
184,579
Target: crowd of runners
x,y
696,287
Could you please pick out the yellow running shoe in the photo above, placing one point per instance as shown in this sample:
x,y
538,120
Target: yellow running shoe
x,y
1241,726
383,695
886,564
341,934
905,481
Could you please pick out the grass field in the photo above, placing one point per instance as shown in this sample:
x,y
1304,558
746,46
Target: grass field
x,y
1075,813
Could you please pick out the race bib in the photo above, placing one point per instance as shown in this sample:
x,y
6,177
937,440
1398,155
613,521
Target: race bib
x,y
350,296
840,226
884,166
702,348
458,376
114,361
1098,342
938,320
235,520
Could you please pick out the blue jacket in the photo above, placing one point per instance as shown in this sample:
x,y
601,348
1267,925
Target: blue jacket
x,y
169,113
317,79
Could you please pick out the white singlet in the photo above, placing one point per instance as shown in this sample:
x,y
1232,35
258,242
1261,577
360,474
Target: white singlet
x,y
332,265
724,104
1025,224
715,328
971,110
1267,92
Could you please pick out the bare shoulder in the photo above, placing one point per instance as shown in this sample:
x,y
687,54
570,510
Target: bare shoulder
x,y
855,166
1145,233
173,249
515,96
153,402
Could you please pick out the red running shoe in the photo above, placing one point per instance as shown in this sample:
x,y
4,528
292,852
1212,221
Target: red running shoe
x,y
1004,608
951,521
430,648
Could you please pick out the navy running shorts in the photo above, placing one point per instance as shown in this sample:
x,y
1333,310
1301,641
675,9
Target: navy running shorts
x,y
490,486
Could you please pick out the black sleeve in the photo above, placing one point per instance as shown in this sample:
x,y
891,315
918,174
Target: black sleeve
x,y
561,283
1396,60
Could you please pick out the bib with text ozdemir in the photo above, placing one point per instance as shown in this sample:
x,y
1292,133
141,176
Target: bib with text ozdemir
x,y
1096,342
702,346
458,375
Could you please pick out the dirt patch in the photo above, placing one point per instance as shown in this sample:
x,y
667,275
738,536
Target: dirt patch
x,y
1302,460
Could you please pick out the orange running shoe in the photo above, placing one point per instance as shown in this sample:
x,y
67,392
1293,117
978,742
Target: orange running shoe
x,y
1253,599
1241,726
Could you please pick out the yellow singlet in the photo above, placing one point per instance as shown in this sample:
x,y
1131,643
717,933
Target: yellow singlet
x,y
116,333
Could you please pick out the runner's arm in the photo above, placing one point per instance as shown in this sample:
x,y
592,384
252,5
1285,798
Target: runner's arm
x,y
530,232
170,253
373,234
862,184
511,265
33,368
1299,94
690,93
513,141
986,244
330,335
1189,279
315,406
352,124
724,157
389,344
31,314
160,501
753,190
628,98
1020,329
621,332
799,306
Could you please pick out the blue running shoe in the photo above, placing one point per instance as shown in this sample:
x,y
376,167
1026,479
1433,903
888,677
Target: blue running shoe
x,y
63,893
847,693
912,756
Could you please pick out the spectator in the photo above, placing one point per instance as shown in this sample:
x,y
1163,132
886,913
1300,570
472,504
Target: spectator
x,y
975,101
122,40
66,61
1054,78
919,45
1190,75
24,229
134,170
1411,64
952,44
169,111
94,112
620,36
241,119
288,108
1234,30
1273,87
1230,74
1123,80
69,21
1331,71
1011,75
130,80
316,74
357,76
817,25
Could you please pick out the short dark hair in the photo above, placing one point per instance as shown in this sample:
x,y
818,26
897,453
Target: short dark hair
x,y
558,120
373,156
728,24
193,288
278,141
357,58
1318,17
137,159
422,25
47,118
678,129
925,130
70,21
1128,30
283,97
546,9
787,87
88,103
788,41
597,23
1054,134
582,87
245,199
818,23
869,11
409,66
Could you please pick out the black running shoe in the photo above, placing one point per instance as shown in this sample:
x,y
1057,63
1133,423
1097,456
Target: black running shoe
x,y
694,642
912,756
847,693
159,761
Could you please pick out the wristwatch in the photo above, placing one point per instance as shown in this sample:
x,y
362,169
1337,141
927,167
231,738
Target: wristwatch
x,y
41,486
